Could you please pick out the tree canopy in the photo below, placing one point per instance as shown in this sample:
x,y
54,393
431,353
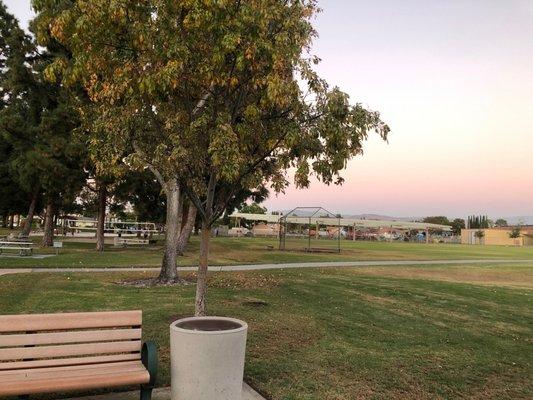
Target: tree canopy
x,y
500,222
440,220
458,224
252,208
215,98
478,222
190,86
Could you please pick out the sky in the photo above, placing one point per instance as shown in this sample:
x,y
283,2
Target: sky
x,y
454,81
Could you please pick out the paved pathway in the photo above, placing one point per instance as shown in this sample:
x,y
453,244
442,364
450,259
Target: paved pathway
x,y
163,394
254,267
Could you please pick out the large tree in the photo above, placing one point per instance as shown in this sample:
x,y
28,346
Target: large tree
x,y
38,122
500,222
12,196
144,119
20,106
457,225
214,97
141,125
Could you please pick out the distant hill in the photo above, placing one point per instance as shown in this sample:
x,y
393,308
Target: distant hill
x,y
524,219
514,220
380,217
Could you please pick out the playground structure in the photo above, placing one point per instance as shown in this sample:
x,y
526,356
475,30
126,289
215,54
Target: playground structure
x,y
80,227
307,226
317,229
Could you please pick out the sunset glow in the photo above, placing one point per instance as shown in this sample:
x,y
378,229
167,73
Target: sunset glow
x,y
454,80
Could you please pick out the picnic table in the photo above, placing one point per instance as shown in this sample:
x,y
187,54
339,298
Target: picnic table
x,y
24,248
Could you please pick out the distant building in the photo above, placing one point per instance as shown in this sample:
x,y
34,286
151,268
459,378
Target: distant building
x,y
239,231
265,229
499,236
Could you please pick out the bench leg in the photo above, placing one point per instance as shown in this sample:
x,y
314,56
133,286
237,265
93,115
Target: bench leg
x,y
24,397
149,360
146,393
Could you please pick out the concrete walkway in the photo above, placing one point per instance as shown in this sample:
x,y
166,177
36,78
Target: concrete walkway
x,y
163,394
255,267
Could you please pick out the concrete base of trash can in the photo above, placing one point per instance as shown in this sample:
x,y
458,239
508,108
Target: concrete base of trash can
x,y
207,358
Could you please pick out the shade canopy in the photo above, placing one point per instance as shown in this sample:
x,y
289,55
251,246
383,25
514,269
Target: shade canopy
x,y
345,222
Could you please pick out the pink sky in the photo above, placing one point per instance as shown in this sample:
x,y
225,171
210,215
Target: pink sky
x,y
454,80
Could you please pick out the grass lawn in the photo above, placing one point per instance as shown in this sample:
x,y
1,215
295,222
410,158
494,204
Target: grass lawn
x,y
349,333
226,251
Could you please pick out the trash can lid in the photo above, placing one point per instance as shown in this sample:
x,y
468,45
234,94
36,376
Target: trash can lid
x,y
209,325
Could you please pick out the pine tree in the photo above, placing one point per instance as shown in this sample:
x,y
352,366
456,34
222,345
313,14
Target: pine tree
x,y
38,121
18,109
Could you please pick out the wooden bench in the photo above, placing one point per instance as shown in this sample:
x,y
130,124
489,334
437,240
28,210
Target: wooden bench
x,y
123,242
20,238
24,248
45,353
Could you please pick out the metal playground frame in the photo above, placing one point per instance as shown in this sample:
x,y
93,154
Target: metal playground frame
x,y
115,227
303,222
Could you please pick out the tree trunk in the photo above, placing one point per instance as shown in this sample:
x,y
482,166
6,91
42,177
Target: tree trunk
x,y
29,219
48,237
169,270
102,205
12,221
186,229
201,285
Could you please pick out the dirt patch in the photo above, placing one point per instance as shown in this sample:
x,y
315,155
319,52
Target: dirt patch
x,y
241,280
153,282
231,280
376,299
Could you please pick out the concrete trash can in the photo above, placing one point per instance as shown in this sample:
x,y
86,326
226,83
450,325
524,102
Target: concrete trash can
x,y
207,358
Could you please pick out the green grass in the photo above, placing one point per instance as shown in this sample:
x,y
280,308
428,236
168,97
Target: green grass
x,y
225,251
420,332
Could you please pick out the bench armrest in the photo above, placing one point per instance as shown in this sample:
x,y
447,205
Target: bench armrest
x,y
149,360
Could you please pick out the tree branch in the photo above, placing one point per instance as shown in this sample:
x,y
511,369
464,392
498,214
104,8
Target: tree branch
x,y
202,101
194,199
151,167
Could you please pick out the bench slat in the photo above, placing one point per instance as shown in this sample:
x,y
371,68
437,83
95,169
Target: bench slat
x,y
69,367
71,370
54,373
15,365
74,383
49,322
18,353
69,337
